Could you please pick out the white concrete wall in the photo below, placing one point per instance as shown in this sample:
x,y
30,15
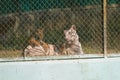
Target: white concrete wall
x,y
78,69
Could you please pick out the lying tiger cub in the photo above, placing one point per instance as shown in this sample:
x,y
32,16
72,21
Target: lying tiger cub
x,y
38,47
72,45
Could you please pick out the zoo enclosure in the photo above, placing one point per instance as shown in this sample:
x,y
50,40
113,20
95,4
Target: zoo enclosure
x,y
19,19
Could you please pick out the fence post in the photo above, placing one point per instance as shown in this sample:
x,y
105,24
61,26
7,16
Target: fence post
x,y
105,27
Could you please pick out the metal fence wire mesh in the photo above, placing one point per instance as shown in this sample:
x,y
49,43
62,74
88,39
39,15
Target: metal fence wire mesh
x,y
19,19
113,23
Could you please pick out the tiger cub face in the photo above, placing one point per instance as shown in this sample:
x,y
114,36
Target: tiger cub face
x,y
36,38
73,45
70,35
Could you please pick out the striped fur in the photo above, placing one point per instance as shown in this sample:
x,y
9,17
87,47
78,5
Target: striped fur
x,y
72,46
40,51
38,47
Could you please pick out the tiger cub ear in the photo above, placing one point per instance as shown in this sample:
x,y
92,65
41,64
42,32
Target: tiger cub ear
x,y
73,27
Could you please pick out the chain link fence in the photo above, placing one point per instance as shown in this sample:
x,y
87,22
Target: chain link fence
x,y
113,23
19,19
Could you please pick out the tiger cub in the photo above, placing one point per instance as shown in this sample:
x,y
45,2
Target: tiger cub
x,y
38,46
37,40
72,45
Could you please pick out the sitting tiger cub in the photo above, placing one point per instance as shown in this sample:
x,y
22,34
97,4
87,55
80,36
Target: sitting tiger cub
x,y
38,47
37,40
72,45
